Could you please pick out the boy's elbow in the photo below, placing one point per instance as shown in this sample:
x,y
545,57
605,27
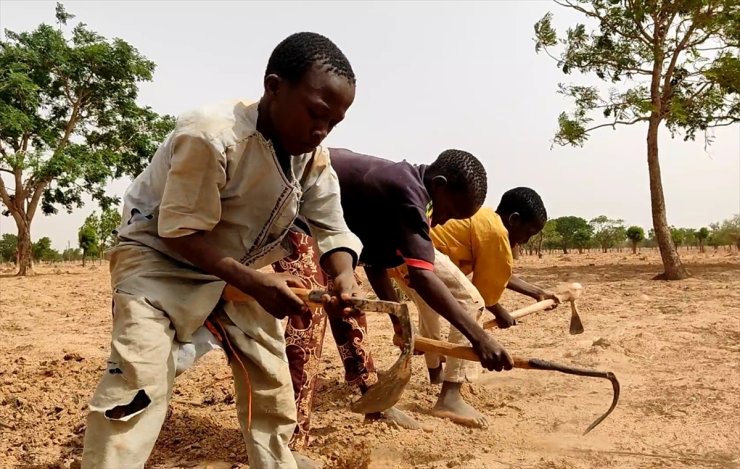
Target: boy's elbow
x,y
420,279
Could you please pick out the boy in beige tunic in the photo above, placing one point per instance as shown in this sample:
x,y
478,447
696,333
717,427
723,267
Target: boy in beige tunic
x,y
214,206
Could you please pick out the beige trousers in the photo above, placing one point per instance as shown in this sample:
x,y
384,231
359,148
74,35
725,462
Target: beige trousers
x,y
130,403
456,370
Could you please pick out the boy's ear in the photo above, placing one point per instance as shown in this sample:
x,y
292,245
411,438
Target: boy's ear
x,y
272,84
439,180
515,219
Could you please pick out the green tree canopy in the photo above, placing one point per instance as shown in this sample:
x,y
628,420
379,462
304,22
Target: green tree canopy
x,y
673,63
42,249
701,236
8,246
88,238
573,231
608,233
69,121
635,234
725,233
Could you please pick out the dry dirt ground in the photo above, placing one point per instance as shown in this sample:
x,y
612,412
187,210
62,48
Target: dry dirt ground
x,y
674,346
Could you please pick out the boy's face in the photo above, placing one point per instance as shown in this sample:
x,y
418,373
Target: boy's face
x,y
302,114
520,231
449,205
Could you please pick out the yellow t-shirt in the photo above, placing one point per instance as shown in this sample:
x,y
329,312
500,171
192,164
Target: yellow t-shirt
x,y
479,245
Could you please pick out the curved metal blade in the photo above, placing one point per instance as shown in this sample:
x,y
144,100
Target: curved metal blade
x,y
391,383
538,364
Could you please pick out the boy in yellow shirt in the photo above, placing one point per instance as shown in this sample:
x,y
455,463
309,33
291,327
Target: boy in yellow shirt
x,y
482,246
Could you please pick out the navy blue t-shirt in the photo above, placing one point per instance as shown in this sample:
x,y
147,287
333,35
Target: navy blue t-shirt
x,y
385,204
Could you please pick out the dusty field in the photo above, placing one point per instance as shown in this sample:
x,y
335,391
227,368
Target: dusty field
x,y
674,346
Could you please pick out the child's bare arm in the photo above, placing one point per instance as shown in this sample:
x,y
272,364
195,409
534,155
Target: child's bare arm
x,y
525,288
272,291
503,318
438,297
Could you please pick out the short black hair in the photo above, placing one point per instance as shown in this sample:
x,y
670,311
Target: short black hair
x,y
524,201
298,52
464,173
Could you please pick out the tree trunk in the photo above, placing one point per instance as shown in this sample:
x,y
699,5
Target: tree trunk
x,y
539,247
516,251
634,247
84,258
673,268
25,252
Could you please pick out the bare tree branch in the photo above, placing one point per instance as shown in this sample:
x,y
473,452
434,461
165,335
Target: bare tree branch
x,y
667,86
5,196
24,142
616,123
34,203
18,174
547,52
731,120
696,93
707,49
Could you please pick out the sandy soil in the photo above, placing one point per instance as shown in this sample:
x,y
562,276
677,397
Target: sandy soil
x,y
674,346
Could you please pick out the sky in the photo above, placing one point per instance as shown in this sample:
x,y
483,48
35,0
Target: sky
x,y
431,75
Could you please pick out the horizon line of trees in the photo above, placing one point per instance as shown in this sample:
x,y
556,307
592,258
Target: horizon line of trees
x,y
571,233
94,237
566,234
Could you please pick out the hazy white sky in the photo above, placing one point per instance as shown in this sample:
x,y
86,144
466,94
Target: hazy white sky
x,y
431,76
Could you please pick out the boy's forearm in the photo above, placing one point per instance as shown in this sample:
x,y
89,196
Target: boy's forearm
x,y
525,288
383,288
381,284
497,310
196,250
434,292
338,262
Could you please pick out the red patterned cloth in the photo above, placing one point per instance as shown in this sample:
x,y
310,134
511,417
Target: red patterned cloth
x,y
304,338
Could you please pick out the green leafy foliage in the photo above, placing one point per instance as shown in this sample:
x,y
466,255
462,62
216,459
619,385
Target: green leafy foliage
x,y
608,233
88,238
573,232
725,233
671,63
635,234
42,250
8,247
69,121
690,47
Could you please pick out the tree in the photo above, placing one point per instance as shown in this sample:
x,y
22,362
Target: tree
x,y
69,121
72,254
41,249
551,239
635,234
607,233
677,236
574,232
701,235
108,223
8,248
88,238
677,64
726,233
689,237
